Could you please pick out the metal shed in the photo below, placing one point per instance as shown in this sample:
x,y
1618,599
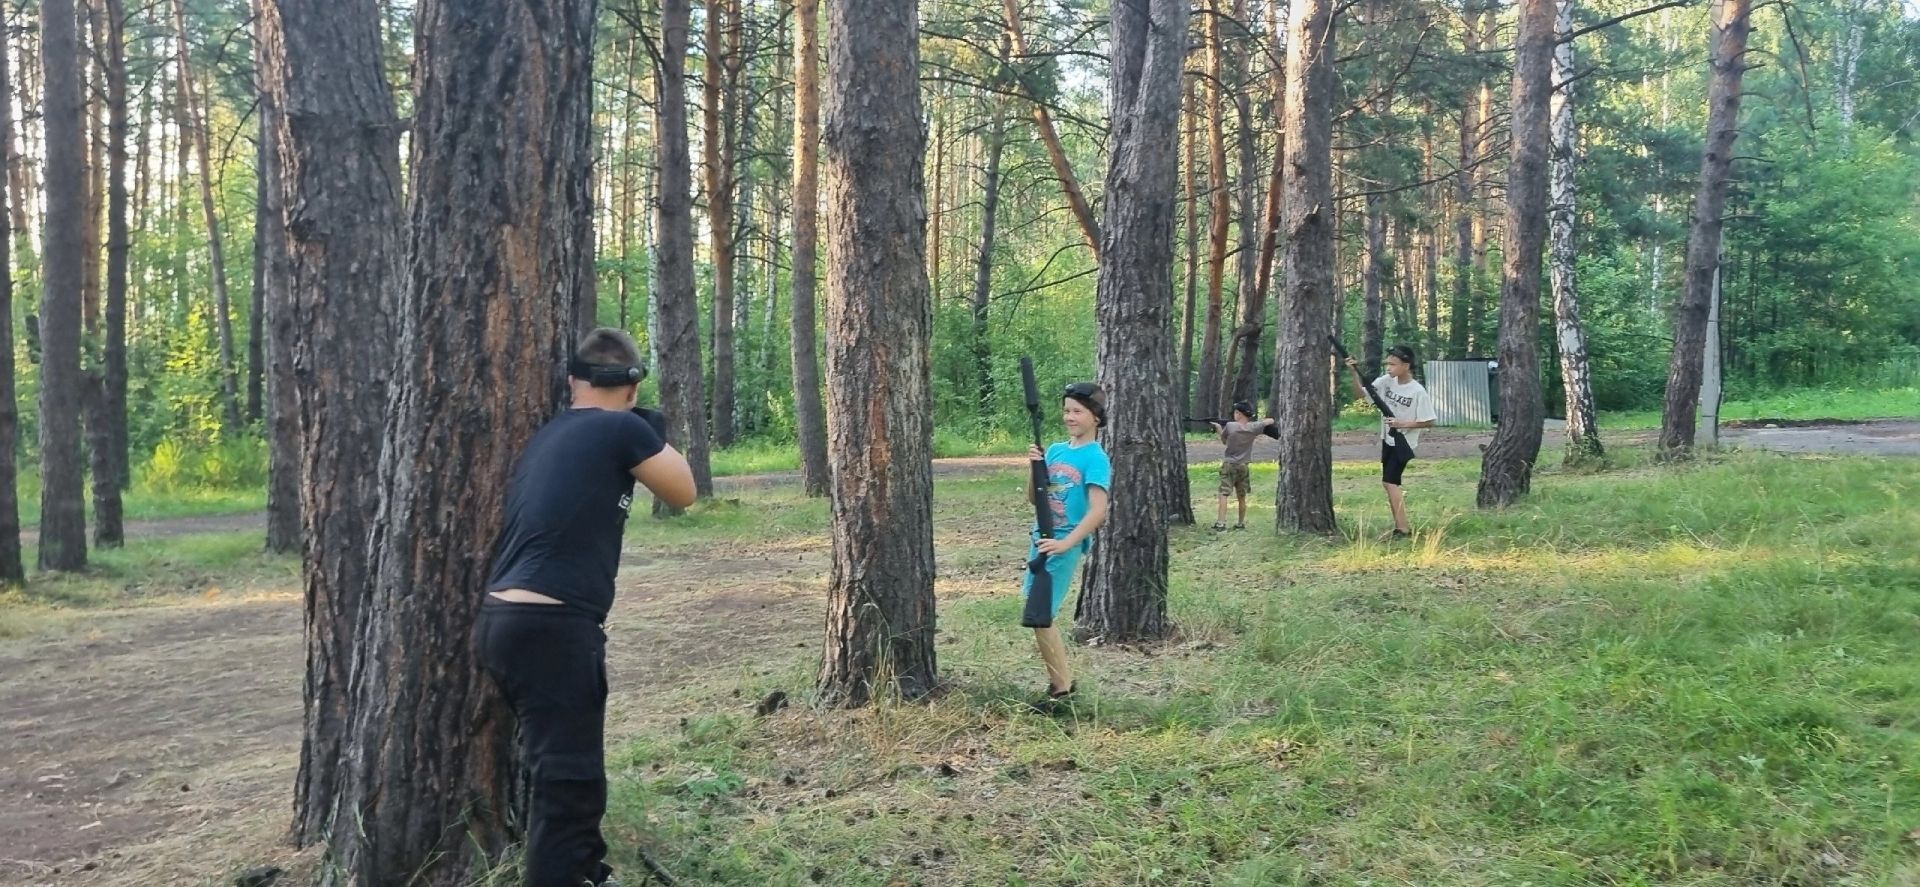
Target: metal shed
x,y
1461,392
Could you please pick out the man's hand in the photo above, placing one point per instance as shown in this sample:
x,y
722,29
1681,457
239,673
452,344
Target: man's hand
x,y
1403,424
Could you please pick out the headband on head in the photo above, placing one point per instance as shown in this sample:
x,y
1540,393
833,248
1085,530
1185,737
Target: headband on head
x,y
1085,394
601,375
1243,406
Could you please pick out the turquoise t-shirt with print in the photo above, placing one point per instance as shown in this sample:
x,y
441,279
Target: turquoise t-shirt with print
x,y
1070,471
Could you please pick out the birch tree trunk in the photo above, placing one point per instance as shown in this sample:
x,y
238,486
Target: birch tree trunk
x,y
1583,434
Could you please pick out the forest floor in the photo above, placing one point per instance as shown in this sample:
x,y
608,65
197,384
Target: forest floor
x,y
150,717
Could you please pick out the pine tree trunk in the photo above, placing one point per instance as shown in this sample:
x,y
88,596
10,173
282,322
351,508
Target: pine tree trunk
x,y
983,268
108,422
336,226
195,123
682,376
717,148
1583,433
880,607
502,135
283,406
13,568
1192,189
1459,332
625,164
809,415
1506,472
1244,345
1304,412
1276,181
1056,152
1126,586
1373,323
63,525
1219,214
1731,25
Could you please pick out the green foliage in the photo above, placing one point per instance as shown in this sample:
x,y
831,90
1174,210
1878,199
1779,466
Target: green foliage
x,y
176,467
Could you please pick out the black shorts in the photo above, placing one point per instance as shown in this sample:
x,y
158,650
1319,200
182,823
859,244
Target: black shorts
x,y
1393,461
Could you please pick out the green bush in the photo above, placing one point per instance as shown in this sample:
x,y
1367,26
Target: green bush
x,y
177,467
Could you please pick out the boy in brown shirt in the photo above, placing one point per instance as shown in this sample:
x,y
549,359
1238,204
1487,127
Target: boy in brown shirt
x,y
1235,471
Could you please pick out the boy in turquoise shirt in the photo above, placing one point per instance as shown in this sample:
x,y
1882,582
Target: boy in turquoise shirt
x,y
1078,477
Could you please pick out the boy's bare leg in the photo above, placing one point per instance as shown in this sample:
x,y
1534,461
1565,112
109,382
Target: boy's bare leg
x,y
1243,509
1221,518
1398,500
1053,651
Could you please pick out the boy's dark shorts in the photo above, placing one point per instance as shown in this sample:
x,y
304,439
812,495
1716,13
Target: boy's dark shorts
x,y
1235,479
1393,461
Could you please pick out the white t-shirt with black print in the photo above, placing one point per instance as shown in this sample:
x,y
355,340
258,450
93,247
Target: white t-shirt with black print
x,y
1409,401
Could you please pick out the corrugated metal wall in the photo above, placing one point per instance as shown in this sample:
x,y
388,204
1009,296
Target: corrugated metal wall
x,y
1460,391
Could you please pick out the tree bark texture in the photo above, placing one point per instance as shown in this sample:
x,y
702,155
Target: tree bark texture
x,y
335,248
1192,189
108,443
1303,410
880,607
996,138
1731,25
810,418
682,376
717,148
500,170
1459,331
63,526
1583,433
1243,347
1219,213
1372,281
1126,590
13,568
1506,471
284,531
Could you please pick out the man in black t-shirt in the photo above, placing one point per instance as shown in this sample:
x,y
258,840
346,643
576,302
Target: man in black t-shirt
x,y
539,633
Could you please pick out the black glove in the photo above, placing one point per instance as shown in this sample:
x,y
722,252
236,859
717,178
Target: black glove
x,y
654,418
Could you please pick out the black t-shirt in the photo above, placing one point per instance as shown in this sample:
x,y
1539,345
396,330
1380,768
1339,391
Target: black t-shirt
x,y
567,506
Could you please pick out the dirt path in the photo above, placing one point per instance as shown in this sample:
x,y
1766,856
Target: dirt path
x,y
156,747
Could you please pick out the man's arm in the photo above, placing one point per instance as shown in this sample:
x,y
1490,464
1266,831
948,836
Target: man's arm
x,y
667,475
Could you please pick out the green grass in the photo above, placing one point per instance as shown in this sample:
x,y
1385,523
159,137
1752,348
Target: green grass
x,y
1795,405
146,572
141,503
1701,675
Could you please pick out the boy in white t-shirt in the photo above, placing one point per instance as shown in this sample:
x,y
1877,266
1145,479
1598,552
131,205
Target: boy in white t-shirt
x,y
1412,410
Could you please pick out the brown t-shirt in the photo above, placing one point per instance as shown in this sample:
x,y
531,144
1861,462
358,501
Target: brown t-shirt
x,y
1239,438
